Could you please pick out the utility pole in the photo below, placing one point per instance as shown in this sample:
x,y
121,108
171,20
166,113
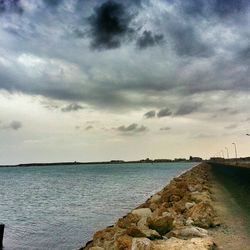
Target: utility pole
x,y
227,152
222,152
235,150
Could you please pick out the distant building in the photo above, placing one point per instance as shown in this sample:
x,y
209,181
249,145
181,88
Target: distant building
x,y
197,159
162,160
147,160
179,159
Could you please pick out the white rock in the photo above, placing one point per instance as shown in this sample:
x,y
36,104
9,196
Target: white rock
x,y
193,232
141,244
188,205
155,198
189,222
142,212
179,244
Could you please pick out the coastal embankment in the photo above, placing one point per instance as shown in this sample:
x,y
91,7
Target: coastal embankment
x,y
205,208
178,217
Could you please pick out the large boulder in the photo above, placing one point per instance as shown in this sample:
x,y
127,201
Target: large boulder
x,y
188,232
203,215
128,220
142,212
123,242
161,224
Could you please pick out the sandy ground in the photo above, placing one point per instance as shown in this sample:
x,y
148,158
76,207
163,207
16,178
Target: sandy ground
x,y
234,233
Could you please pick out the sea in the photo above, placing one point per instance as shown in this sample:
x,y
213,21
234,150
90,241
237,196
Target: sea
x,y
60,207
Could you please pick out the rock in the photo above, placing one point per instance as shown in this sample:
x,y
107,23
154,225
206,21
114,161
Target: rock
x,y
189,222
151,234
179,244
153,206
123,242
200,196
155,198
188,205
189,232
143,232
142,212
127,221
96,248
135,232
202,214
106,238
161,224
141,244
174,197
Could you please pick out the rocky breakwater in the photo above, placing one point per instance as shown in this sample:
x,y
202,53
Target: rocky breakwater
x,y
176,218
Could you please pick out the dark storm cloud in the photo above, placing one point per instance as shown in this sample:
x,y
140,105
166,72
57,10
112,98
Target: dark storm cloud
x,y
52,3
148,39
210,8
224,8
132,128
164,112
72,107
193,7
150,114
187,41
11,6
212,56
15,125
109,25
186,109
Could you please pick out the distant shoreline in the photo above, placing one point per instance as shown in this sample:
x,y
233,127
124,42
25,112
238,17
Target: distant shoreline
x,y
37,164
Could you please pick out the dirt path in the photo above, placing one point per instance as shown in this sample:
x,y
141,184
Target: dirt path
x,y
234,232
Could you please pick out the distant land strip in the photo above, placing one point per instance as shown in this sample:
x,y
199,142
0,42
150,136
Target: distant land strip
x,y
191,159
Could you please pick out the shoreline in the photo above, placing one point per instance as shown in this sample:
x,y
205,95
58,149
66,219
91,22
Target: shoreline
x,y
180,215
93,163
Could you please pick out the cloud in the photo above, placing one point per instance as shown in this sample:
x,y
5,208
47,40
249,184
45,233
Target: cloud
x,y
11,6
211,8
231,126
164,112
148,39
52,3
165,128
132,128
109,25
14,125
89,127
150,114
225,8
72,107
187,41
188,108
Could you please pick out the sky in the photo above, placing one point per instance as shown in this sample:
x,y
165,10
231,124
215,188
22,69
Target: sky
x,y
84,80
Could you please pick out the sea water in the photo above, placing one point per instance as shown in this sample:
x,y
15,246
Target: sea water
x,y
60,207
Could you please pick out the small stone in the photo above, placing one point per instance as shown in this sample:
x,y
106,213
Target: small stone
x,y
189,222
188,205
